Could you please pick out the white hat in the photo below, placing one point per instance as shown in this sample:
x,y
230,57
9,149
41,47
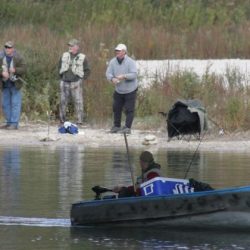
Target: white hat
x,y
121,46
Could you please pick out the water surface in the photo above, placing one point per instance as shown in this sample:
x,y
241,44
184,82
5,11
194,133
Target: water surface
x,y
38,186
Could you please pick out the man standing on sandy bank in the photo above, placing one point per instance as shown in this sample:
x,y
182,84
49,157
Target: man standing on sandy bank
x,y
73,70
13,67
122,73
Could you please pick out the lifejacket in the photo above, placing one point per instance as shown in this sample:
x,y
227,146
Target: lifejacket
x,y
76,64
152,169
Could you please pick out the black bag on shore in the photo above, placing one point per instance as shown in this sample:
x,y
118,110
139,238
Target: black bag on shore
x,y
186,117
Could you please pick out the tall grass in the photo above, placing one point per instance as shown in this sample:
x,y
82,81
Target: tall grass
x,y
152,29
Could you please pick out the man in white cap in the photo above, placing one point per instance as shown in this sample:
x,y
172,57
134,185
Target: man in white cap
x,y
73,70
13,67
122,73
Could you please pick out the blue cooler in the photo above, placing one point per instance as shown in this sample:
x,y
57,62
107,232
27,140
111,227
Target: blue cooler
x,y
163,186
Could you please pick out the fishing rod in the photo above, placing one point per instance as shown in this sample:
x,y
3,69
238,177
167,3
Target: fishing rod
x,y
129,163
49,120
22,80
99,190
14,78
193,157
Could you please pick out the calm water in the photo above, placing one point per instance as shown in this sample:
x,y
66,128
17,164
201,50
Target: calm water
x,y
38,185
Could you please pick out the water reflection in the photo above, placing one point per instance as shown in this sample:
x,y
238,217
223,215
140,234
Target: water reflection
x,y
186,164
220,169
10,176
11,160
118,171
38,186
145,238
34,222
71,173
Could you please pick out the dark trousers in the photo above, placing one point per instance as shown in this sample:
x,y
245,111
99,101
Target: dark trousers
x,y
126,102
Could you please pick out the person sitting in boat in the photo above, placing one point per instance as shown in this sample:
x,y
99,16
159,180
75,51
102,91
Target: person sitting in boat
x,y
149,169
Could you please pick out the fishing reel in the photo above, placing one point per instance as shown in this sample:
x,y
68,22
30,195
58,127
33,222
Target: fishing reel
x,y
13,78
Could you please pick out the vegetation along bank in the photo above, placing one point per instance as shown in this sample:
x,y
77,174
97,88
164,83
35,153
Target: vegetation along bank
x,y
152,29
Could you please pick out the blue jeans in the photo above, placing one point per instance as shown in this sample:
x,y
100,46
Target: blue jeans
x,y
11,103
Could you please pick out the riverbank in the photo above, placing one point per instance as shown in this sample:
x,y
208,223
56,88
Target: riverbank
x,y
33,135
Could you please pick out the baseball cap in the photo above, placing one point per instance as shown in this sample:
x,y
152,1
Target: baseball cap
x,y
9,44
121,46
146,156
73,42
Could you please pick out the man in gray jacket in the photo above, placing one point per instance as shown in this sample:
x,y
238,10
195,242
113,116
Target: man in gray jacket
x,y
122,73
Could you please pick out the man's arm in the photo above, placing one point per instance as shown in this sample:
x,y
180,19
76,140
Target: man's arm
x,y
109,72
86,69
20,67
132,74
152,175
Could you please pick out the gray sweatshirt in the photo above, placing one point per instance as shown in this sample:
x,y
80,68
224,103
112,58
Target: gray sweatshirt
x,y
127,68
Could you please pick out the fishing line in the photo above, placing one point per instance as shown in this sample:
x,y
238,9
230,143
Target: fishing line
x,y
193,157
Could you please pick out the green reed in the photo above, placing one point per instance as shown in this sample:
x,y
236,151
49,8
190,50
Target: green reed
x,y
171,29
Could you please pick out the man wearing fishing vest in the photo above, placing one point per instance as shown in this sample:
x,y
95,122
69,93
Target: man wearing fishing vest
x,y
73,70
13,67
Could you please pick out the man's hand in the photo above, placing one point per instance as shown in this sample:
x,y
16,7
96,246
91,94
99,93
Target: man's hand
x,y
116,189
115,80
12,70
5,75
121,77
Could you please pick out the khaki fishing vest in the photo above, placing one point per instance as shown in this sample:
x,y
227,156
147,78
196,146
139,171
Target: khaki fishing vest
x,y
6,68
5,64
76,64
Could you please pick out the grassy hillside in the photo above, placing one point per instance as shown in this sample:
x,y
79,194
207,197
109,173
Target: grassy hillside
x,y
152,29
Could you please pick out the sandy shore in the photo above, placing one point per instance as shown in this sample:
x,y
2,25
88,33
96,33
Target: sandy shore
x,y
39,135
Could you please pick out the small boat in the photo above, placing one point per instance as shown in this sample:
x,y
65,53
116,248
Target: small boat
x,y
221,209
